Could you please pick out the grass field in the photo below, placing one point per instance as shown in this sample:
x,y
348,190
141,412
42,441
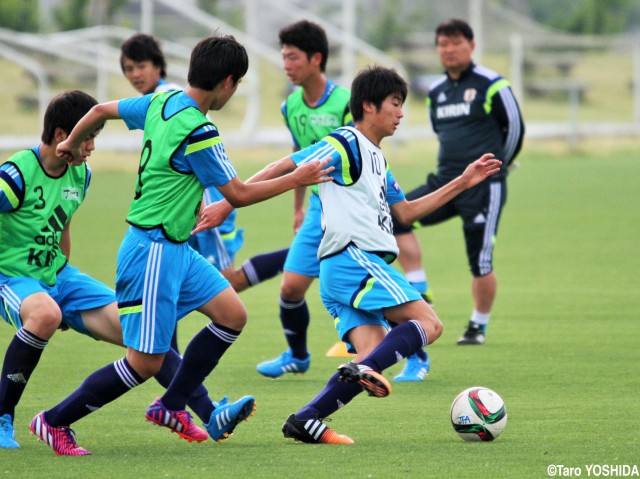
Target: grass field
x,y
562,346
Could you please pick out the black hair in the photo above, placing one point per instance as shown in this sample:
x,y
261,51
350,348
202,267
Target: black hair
x,y
308,37
142,47
215,58
64,111
453,27
374,85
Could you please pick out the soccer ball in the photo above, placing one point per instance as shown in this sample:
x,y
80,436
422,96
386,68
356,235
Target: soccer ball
x,y
478,414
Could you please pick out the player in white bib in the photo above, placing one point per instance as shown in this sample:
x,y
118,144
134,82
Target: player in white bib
x,y
359,287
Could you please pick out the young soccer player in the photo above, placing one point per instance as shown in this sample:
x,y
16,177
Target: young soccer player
x,y
144,65
358,286
39,290
311,112
159,277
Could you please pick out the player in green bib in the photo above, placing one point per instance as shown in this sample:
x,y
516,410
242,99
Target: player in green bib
x,y
311,112
39,291
181,193
144,65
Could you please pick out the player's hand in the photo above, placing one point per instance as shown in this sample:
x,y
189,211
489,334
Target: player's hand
x,y
481,169
313,172
212,215
298,218
71,155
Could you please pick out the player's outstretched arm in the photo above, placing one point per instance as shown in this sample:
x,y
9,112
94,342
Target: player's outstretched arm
x,y
244,194
212,215
240,194
217,212
274,170
69,149
408,211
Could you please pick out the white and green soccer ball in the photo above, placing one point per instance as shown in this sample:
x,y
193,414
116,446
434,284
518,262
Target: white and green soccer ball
x,y
478,414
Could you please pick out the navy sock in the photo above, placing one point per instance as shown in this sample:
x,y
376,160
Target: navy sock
x,y
100,388
200,358
294,316
20,360
334,396
421,354
402,341
264,266
199,401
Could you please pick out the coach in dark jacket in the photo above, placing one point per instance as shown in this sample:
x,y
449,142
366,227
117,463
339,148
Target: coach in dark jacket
x,y
472,111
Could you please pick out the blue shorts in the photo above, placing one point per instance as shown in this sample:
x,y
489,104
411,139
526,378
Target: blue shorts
x,y
217,247
159,282
74,292
302,257
355,286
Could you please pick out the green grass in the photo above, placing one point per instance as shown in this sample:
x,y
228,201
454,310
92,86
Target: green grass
x,y
562,346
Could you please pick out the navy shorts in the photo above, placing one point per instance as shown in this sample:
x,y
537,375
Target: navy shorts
x,y
479,208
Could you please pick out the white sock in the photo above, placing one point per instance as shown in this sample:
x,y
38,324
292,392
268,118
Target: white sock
x,y
480,318
416,276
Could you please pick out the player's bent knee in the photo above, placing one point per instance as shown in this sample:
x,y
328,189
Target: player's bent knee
x,y
146,365
235,320
433,328
291,291
291,297
43,322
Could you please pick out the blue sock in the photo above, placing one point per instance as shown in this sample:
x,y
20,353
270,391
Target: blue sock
x,y
334,396
264,266
21,358
418,279
200,358
100,388
419,286
199,401
402,341
294,316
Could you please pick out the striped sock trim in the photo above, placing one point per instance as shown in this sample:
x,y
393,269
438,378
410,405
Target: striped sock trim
x,y
420,331
31,339
223,335
250,272
291,304
127,374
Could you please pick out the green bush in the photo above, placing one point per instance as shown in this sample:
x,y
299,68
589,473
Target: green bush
x,y
20,15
